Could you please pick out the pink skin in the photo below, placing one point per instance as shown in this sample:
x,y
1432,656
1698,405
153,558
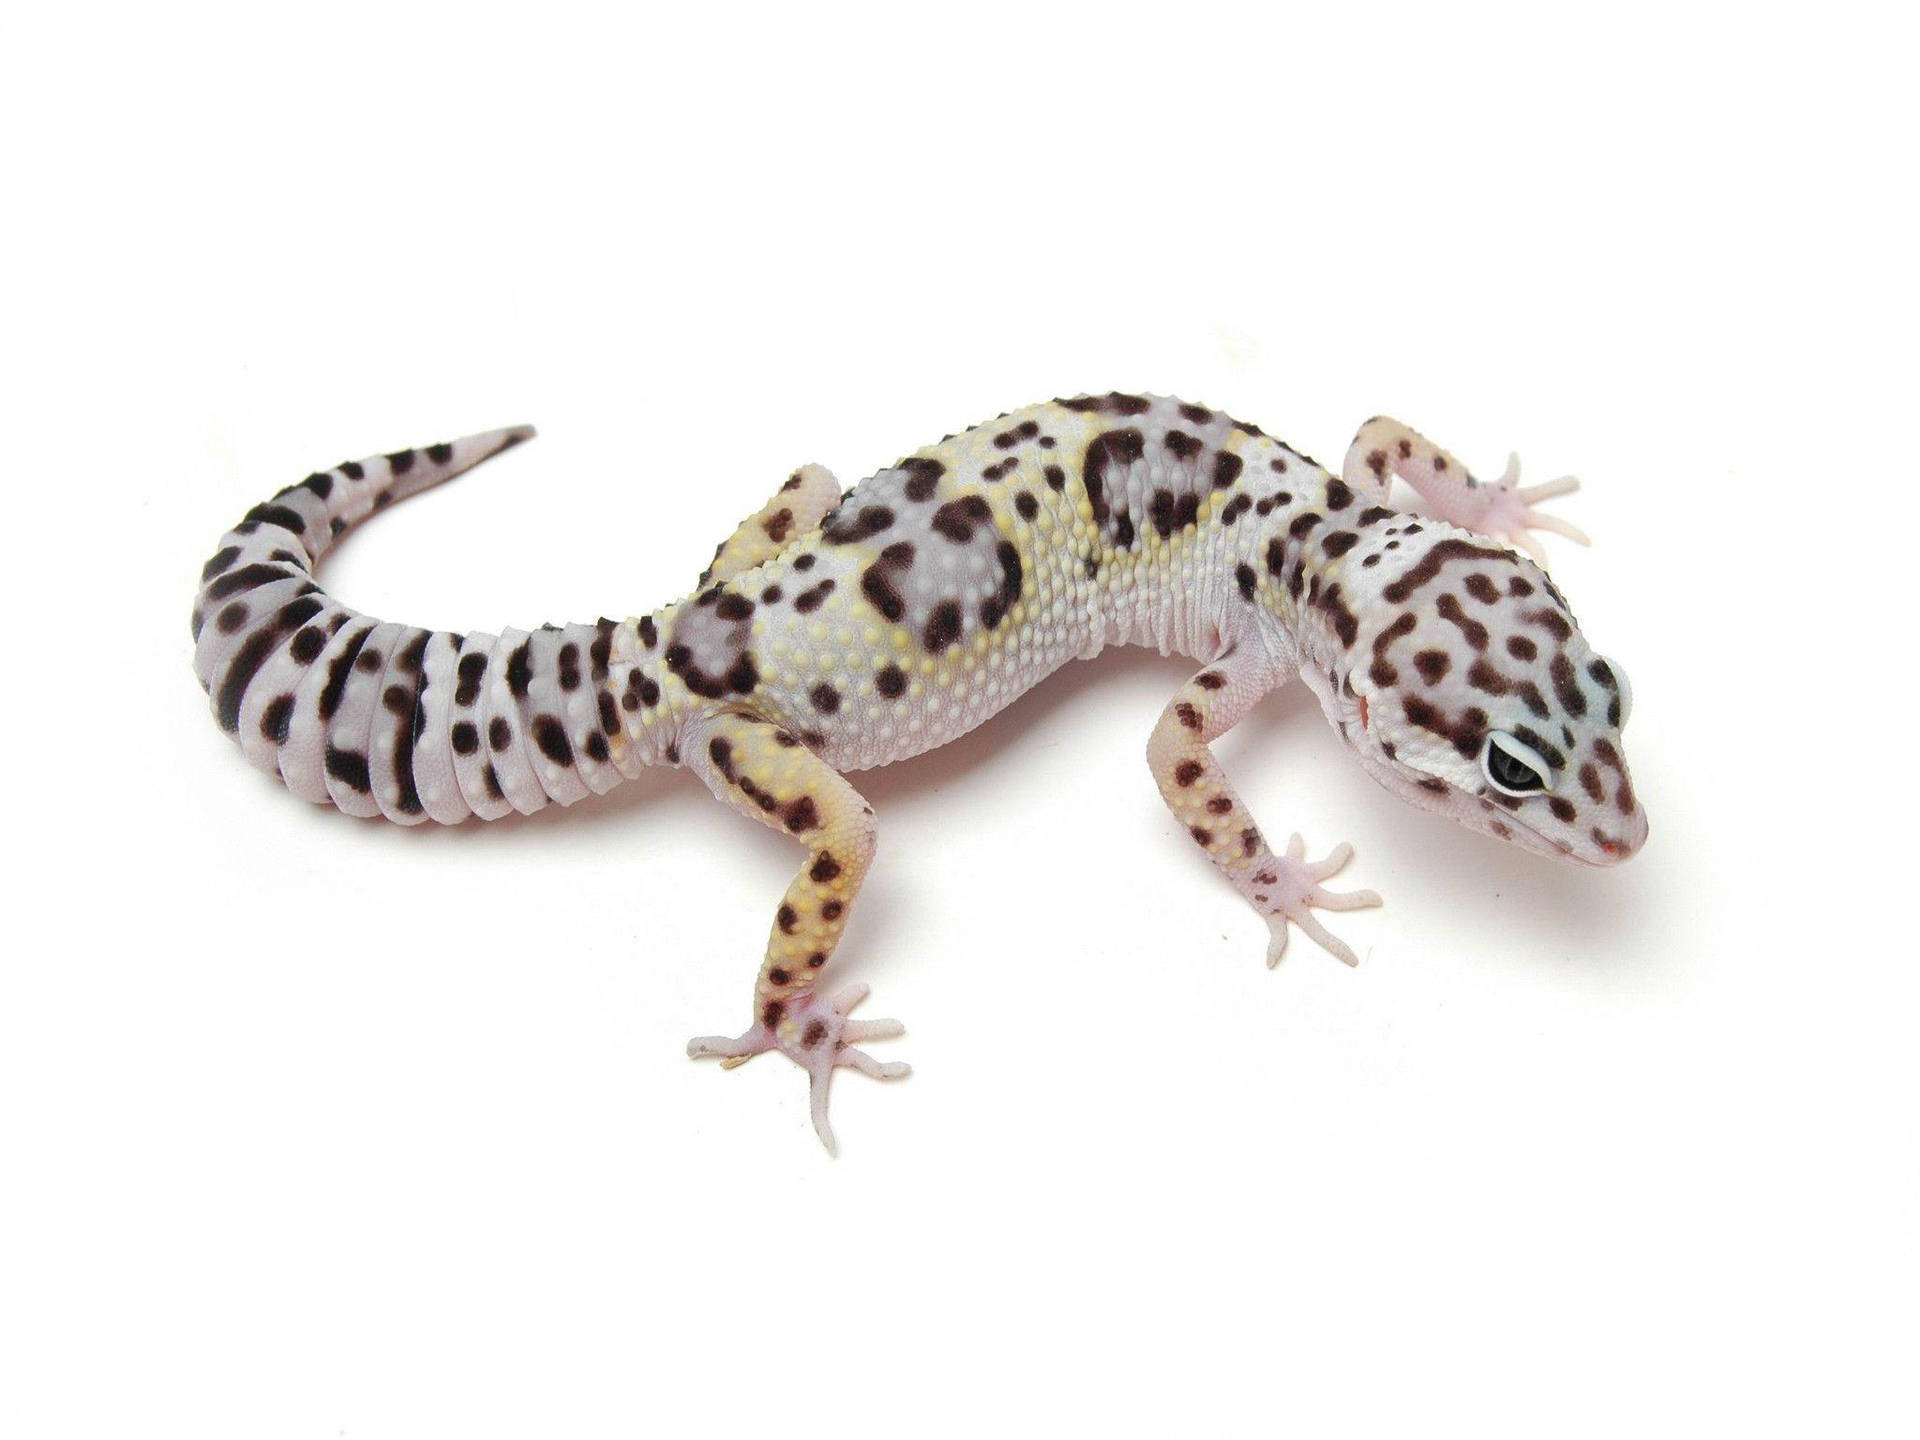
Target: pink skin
x,y
1503,510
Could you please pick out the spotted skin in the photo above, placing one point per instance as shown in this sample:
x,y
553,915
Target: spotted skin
x,y
836,632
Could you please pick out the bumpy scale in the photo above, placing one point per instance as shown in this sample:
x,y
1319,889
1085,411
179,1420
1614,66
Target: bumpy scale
x,y
839,632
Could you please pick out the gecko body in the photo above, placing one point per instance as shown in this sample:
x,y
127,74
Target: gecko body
x,y
836,632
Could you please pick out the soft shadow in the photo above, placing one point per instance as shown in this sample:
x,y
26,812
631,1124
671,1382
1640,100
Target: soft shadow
x,y
1490,887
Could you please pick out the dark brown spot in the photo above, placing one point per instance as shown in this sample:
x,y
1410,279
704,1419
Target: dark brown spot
x,y
1114,403
1114,448
1450,610
943,626
810,600
1466,733
957,519
923,476
551,737
1436,559
1565,688
1551,621
845,529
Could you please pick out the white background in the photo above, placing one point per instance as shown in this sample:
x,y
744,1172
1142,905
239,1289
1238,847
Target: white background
x,y
312,1127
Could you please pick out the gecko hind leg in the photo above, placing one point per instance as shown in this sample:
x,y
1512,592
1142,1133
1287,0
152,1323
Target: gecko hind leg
x,y
798,506
1502,510
1285,889
765,773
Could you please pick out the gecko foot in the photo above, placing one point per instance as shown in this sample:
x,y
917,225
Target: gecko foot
x,y
818,1037
1289,891
1504,510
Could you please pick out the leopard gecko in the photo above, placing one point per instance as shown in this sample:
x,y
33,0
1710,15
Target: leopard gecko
x,y
835,632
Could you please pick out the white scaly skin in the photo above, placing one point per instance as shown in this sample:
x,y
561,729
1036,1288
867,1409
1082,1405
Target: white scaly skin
x,y
835,633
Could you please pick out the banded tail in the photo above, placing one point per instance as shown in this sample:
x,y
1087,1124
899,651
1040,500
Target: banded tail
x,y
387,719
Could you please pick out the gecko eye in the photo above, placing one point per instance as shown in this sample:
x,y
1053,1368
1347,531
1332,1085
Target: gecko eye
x,y
1512,767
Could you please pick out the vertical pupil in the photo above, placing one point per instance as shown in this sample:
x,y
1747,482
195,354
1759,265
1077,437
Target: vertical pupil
x,y
1511,772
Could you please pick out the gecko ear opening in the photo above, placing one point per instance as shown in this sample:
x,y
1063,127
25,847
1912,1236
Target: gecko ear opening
x,y
1512,768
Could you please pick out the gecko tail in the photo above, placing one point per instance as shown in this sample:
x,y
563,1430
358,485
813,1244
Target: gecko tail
x,y
386,719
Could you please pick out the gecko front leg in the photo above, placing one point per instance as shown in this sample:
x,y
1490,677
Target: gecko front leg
x,y
763,771
1285,889
1503,510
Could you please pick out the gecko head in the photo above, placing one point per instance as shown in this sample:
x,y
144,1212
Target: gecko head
x,y
1471,690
